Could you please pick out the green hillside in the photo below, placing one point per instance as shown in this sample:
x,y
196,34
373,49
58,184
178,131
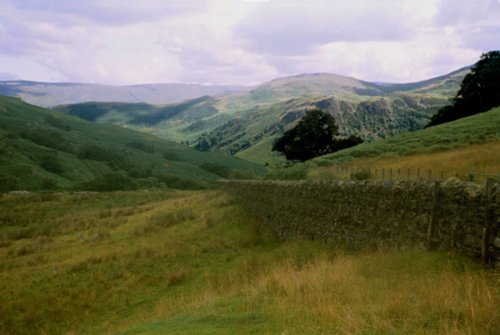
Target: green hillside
x,y
470,130
478,130
246,124
43,149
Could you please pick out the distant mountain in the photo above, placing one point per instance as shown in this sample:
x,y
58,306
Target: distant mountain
x,y
53,94
245,124
43,149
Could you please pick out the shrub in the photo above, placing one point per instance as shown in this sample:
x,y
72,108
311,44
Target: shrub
x,y
172,181
49,139
139,145
109,182
50,162
361,175
57,123
172,156
218,169
96,153
8,183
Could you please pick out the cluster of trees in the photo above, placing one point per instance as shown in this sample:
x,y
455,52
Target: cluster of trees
x,y
479,91
316,134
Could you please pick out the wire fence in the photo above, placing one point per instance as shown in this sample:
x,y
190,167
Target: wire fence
x,y
408,174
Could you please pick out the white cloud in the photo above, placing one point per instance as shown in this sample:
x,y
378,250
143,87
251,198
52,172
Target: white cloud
x,y
241,42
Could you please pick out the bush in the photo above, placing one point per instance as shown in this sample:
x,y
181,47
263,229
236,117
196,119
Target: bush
x,y
172,156
50,162
8,183
144,147
361,175
49,139
109,182
182,184
220,170
96,153
57,123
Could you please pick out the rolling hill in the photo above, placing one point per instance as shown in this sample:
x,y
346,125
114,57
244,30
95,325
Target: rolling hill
x,y
245,124
53,94
455,148
44,149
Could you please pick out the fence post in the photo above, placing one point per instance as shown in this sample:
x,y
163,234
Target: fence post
x,y
489,216
432,239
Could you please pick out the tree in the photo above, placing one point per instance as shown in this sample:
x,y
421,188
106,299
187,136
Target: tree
x,y
479,91
312,136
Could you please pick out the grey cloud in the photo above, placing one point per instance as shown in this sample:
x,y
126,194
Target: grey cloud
x,y
8,76
290,30
483,38
111,12
452,12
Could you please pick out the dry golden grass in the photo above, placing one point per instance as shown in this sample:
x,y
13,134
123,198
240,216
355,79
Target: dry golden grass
x,y
479,158
195,263
378,294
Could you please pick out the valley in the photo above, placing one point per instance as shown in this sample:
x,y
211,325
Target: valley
x,y
273,167
246,124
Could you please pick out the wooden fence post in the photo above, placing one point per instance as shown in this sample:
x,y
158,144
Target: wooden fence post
x,y
489,217
432,229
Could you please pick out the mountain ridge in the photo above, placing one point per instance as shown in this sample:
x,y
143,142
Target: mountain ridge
x,y
52,94
245,123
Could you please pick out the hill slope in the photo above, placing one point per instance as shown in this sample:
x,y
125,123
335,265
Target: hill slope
x,y
53,94
245,124
196,263
459,147
43,149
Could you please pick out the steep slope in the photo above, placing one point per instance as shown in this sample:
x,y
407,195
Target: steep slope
x,y
53,94
43,149
459,147
246,124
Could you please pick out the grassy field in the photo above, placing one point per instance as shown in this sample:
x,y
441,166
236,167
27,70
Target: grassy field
x,y
193,262
456,148
478,158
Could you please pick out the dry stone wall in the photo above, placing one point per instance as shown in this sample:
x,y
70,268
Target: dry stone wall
x,y
383,214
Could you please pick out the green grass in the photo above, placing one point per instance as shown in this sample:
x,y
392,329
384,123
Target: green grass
x,y
43,149
459,147
193,262
471,130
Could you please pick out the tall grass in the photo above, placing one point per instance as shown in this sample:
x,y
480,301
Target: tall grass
x,y
195,263
480,158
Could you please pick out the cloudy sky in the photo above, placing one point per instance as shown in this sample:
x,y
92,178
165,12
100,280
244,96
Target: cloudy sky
x,y
241,41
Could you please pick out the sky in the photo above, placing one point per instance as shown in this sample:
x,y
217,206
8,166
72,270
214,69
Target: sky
x,y
241,42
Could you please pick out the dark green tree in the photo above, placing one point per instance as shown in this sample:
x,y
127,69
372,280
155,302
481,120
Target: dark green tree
x,y
479,91
313,136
